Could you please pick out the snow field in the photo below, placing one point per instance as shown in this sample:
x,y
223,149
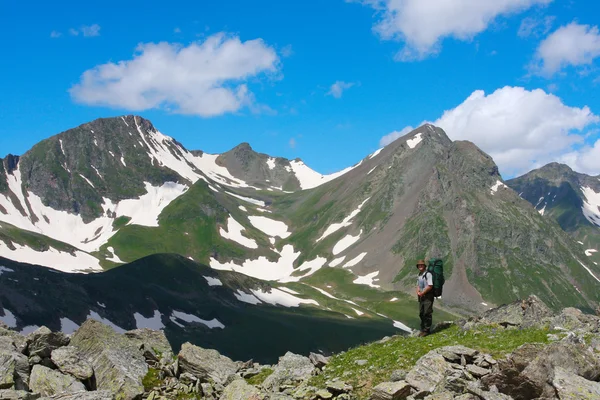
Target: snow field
x,y
590,205
355,260
497,186
345,242
52,258
247,199
345,222
234,233
589,252
367,279
114,257
309,178
412,143
153,322
269,226
178,315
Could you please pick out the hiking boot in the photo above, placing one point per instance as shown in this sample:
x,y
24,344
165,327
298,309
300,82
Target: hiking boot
x,y
422,333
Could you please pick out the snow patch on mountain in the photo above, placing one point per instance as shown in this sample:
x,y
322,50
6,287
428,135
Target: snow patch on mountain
x,y
288,290
497,186
355,260
234,232
367,279
88,181
271,163
53,258
213,281
412,143
114,258
9,318
94,315
190,318
589,271
591,205
279,297
270,226
309,178
345,242
589,252
373,155
262,268
67,326
153,322
247,199
345,222
337,261
312,266
5,269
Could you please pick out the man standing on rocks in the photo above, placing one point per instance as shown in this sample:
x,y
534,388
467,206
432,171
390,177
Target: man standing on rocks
x,y
426,297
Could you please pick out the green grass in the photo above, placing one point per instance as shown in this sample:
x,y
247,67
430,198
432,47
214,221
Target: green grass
x,y
260,378
404,352
151,379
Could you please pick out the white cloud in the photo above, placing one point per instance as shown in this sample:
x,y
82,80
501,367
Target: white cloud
x,y
177,30
292,143
55,34
86,30
535,27
287,51
337,89
585,159
390,137
205,78
520,129
570,45
423,24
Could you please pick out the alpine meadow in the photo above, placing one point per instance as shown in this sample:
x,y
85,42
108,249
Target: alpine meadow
x,y
165,232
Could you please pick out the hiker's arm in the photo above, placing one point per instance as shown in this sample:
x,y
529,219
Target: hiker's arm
x,y
427,290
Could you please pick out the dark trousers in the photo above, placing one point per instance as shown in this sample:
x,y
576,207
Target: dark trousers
x,y
426,312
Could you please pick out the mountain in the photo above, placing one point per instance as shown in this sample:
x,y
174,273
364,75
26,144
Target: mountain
x,y
242,317
421,196
570,198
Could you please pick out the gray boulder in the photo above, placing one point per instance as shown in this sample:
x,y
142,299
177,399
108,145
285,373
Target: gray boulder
x,y
118,365
43,341
571,386
429,371
14,370
9,394
48,382
205,364
525,313
95,395
573,358
291,367
391,391
240,390
151,341
68,360
318,360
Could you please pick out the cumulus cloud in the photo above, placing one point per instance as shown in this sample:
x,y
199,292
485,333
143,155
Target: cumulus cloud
x,y
585,159
86,30
570,45
390,137
520,129
205,78
535,27
423,24
338,88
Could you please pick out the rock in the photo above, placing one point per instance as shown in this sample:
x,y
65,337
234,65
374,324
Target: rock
x,y
95,395
429,371
118,366
573,358
524,313
49,382
573,319
292,367
43,341
239,390
440,396
338,387
360,362
476,371
391,391
35,360
398,375
466,396
68,360
318,360
8,336
460,351
150,340
205,364
323,394
9,394
571,386
482,394
14,371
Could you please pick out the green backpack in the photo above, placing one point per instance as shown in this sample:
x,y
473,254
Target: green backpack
x,y
436,267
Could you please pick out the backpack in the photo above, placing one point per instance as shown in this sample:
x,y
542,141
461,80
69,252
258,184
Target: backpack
x,y
436,267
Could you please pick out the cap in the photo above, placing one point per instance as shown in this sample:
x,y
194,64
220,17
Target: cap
x,y
421,262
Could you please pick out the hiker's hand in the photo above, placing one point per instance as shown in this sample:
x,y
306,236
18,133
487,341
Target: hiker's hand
x,y
419,293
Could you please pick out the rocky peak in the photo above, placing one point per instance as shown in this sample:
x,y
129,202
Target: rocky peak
x,y
11,163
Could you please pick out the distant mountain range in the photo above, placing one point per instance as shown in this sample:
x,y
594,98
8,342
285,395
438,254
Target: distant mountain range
x,y
116,190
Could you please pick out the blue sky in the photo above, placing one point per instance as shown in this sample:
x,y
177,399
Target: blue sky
x,y
519,78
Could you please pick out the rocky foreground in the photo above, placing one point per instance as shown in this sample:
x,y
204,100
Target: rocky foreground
x,y
96,363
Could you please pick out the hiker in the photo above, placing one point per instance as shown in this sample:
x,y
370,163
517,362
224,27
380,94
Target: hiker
x,y
426,296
